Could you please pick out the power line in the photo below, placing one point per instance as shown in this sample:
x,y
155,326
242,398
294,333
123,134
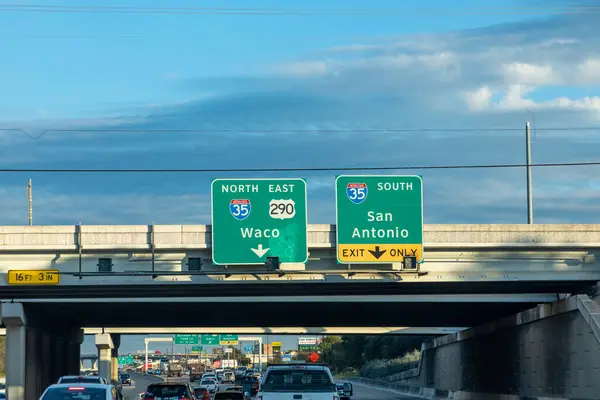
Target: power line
x,y
296,11
294,130
293,169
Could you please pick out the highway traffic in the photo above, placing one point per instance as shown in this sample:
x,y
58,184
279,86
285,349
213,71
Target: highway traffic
x,y
141,381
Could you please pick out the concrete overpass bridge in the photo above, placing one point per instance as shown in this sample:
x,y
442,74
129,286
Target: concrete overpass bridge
x,y
471,274
92,358
140,276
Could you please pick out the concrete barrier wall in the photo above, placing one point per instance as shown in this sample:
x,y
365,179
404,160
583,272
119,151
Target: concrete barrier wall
x,y
549,351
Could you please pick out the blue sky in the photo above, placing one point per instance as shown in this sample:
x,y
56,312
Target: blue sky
x,y
77,64
119,89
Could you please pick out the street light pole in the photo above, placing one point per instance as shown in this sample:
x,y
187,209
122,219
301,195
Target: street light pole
x,y
529,183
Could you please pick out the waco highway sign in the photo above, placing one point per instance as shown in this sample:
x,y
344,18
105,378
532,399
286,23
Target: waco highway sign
x,y
253,219
379,219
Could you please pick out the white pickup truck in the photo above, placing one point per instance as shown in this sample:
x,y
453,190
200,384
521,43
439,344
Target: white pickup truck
x,y
297,382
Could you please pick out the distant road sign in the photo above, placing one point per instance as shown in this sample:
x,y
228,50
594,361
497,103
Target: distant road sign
x,y
307,347
314,357
210,340
197,349
186,339
286,357
253,219
379,219
125,360
228,339
307,340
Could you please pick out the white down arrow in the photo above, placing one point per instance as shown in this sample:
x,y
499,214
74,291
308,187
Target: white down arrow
x,y
260,251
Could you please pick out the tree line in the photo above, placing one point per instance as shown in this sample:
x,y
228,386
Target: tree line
x,y
349,352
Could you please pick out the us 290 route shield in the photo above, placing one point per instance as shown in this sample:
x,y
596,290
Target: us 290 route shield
x,y
379,219
253,219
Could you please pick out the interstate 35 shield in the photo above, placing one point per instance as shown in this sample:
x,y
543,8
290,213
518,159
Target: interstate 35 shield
x,y
240,209
356,192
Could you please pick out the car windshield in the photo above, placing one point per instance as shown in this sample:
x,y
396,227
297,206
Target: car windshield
x,y
294,380
165,391
75,393
82,379
125,376
208,382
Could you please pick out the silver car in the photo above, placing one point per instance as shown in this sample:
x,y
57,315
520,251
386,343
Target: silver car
x,y
96,391
82,379
228,376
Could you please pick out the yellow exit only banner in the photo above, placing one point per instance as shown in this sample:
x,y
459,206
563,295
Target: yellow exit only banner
x,y
365,253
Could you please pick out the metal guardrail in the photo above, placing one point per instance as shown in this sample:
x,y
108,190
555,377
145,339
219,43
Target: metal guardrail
x,y
377,383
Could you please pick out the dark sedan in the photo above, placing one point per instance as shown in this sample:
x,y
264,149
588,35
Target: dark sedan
x,y
344,390
125,379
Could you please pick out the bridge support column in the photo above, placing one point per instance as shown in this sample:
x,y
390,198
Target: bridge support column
x,y
47,353
34,372
13,317
74,352
105,345
116,339
59,355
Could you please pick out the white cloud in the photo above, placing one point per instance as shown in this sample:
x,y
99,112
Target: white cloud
x,y
479,99
512,67
298,69
589,71
530,74
513,98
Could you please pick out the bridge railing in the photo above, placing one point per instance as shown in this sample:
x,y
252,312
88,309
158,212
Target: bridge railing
x,y
320,236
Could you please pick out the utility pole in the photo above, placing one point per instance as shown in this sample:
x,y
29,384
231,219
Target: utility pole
x,y
529,184
29,203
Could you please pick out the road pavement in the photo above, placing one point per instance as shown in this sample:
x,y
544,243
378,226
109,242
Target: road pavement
x,y
139,383
364,392
361,392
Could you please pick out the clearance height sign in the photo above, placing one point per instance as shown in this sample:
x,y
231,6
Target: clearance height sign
x,y
379,218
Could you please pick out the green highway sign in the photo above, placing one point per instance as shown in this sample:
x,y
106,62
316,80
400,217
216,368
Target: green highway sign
x,y
253,219
197,349
379,219
209,340
228,339
186,339
308,347
125,360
